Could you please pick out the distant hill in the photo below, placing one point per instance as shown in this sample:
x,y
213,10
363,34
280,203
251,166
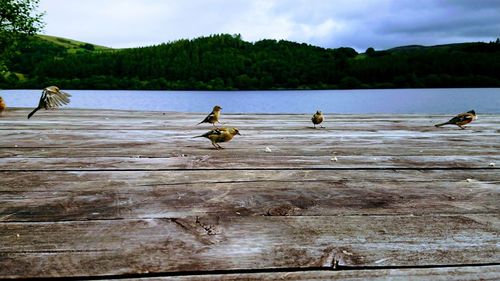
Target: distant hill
x,y
40,48
71,45
226,62
451,46
407,48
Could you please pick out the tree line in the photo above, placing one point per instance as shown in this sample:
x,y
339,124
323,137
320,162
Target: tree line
x,y
226,62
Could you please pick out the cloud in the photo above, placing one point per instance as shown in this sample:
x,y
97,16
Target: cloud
x,y
355,23
434,22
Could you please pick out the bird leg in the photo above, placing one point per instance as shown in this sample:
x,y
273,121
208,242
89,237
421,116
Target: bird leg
x,y
215,145
462,127
220,147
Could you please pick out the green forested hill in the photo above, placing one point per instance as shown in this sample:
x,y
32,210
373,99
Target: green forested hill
x,y
227,62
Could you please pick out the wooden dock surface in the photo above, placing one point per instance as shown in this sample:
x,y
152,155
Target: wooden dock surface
x,y
126,194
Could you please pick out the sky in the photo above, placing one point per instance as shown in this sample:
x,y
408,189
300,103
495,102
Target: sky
x,y
360,24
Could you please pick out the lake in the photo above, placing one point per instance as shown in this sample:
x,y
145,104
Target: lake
x,y
449,101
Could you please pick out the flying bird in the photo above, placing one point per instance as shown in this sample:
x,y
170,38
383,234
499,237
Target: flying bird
x,y
3,106
51,98
220,135
213,117
317,118
461,119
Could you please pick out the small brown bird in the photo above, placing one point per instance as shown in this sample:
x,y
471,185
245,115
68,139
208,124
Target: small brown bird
x,y
3,106
213,117
317,118
461,119
51,98
220,135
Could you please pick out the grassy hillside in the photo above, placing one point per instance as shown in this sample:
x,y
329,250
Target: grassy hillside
x,y
72,46
41,48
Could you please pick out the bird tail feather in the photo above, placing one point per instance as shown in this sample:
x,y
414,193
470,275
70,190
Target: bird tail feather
x,y
442,124
33,112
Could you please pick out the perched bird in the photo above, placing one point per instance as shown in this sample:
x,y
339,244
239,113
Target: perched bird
x,y
220,135
51,98
461,119
3,106
213,117
317,118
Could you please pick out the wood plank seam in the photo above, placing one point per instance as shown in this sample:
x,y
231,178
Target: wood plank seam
x,y
209,273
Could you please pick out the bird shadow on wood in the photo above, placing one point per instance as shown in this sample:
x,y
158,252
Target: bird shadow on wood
x,y
449,128
210,148
315,128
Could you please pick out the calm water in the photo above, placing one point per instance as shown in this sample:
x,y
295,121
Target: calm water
x,y
329,101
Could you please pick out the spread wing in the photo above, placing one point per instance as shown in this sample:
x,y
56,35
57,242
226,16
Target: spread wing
x,y
53,98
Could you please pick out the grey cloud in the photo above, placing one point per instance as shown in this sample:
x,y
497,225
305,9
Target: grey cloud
x,y
353,23
426,23
443,17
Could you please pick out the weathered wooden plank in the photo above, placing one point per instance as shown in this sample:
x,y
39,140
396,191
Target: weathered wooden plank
x,y
465,273
209,243
66,209
353,136
228,160
41,196
113,143
62,181
136,149
249,133
150,120
119,120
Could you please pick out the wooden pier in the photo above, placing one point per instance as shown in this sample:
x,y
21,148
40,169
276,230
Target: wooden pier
x,y
96,194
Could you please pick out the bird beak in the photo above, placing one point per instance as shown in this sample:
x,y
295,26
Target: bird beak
x,y
238,133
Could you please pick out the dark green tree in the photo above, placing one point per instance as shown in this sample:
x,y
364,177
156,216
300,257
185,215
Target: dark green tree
x,y
370,52
88,47
18,19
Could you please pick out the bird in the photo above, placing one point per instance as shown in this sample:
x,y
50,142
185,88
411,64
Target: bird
x,y
213,117
3,106
461,119
220,135
52,97
317,118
